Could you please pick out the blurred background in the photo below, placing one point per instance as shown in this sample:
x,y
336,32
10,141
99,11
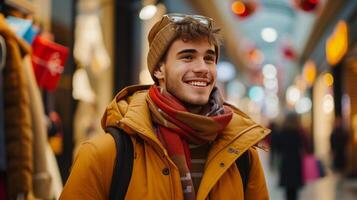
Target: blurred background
x,y
279,58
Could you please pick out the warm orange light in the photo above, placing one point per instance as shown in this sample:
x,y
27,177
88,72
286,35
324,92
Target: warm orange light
x,y
309,72
238,7
256,56
328,79
337,43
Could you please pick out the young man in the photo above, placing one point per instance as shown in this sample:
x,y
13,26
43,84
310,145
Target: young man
x,y
186,140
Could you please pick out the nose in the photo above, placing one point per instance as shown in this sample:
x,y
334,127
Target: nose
x,y
201,67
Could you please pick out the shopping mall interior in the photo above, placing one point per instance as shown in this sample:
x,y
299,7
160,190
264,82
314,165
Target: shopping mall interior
x,y
277,57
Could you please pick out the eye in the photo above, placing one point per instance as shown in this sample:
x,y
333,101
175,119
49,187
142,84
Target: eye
x,y
186,58
210,59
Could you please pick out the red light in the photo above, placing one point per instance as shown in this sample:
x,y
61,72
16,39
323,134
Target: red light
x,y
289,53
307,5
313,1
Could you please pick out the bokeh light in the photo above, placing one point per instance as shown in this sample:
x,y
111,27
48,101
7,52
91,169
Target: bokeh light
x,y
256,93
327,103
269,34
328,79
292,95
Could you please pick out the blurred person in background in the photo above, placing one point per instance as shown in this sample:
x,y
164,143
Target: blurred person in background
x,y
273,138
186,139
290,148
338,141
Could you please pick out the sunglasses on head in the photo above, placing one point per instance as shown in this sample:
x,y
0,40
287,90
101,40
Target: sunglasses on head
x,y
177,17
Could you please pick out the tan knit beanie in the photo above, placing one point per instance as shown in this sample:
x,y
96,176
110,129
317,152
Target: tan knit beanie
x,y
160,37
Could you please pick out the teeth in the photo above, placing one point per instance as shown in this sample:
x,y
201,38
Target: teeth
x,y
198,83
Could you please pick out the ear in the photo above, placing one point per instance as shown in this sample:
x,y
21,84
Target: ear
x,y
159,72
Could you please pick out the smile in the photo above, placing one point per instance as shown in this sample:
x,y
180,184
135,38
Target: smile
x,y
198,83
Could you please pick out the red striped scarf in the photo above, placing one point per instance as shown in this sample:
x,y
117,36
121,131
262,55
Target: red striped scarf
x,y
177,127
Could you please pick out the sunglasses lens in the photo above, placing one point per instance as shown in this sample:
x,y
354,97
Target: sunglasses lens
x,y
178,17
203,21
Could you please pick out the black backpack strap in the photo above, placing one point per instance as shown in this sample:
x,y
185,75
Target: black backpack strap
x,y
123,163
243,164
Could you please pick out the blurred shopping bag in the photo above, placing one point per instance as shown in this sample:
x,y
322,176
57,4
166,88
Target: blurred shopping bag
x,y
310,168
48,59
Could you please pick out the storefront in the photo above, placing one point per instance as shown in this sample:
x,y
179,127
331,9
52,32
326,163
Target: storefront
x,y
332,47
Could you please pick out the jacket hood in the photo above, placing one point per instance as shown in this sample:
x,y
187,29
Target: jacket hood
x,y
128,105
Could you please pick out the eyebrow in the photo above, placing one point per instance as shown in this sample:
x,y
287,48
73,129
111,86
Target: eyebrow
x,y
186,51
209,51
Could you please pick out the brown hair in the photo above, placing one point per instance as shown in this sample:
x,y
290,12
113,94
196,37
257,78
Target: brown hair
x,y
190,29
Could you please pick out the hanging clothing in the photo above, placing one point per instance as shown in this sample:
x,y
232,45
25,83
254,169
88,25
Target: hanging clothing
x,y
2,131
86,115
18,128
90,53
41,176
56,181
89,48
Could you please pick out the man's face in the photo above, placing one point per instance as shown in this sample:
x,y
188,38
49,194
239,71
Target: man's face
x,y
189,71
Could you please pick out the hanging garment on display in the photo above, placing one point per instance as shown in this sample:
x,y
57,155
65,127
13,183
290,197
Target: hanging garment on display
x,y
82,90
56,183
86,125
2,131
48,59
89,49
86,112
92,59
41,176
18,130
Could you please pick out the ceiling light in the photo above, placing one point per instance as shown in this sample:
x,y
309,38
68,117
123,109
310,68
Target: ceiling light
x,y
256,93
269,71
309,72
269,34
328,79
225,71
271,103
328,103
292,95
243,8
271,83
304,105
147,12
235,89
238,7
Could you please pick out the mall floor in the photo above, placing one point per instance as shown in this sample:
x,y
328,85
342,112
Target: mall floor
x,y
330,187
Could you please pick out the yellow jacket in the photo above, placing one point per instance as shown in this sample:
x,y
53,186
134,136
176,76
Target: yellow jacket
x,y
93,167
